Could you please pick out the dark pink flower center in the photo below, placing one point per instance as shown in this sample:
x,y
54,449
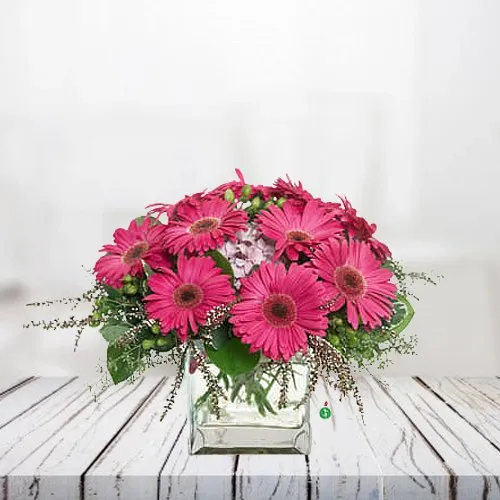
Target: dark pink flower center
x,y
135,253
350,282
279,310
298,235
205,225
187,296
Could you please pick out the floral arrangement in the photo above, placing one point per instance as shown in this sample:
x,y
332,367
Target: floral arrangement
x,y
245,273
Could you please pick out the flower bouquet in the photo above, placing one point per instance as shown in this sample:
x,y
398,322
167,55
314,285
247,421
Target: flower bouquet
x,y
254,292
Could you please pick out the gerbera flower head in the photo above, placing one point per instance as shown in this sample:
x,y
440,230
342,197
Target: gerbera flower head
x,y
356,279
203,225
278,308
180,301
290,190
297,229
360,229
140,242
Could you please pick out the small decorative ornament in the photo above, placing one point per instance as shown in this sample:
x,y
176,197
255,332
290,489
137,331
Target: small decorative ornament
x,y
253,292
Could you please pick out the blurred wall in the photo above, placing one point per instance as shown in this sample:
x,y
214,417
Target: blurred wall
x,y
107,106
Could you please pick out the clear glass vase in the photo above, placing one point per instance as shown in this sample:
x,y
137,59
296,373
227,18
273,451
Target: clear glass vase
x,y
243,425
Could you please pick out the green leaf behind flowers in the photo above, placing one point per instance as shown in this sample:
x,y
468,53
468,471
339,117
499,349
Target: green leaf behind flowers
x,y
222,263
114,329
233,357
123,361
403,314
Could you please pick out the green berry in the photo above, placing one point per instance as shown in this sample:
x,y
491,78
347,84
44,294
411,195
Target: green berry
x,y
246,192
267,204
341,330
334,340
156,329
148,344
281,202
127,279
338,321
256,202
229,195
130,289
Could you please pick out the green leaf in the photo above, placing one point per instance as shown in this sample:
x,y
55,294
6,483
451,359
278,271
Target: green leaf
x,y
220,335
147,269
121,365
140,220
403,315
114,329
113,293
222,263
233,358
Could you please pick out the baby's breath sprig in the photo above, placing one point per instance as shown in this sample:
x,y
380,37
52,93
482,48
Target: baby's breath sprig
x,y
214,390
182,350
284,381
331,363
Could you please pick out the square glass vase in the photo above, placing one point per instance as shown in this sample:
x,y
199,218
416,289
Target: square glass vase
x,y
243,427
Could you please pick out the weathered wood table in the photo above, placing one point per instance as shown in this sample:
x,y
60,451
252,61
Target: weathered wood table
x,y
423,438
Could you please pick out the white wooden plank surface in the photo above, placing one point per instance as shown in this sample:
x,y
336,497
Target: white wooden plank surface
x,y
472,459
8,384
129,468
480,411
200,476
487,386
123,451
54,468
16,402
410,468
271,476
341,463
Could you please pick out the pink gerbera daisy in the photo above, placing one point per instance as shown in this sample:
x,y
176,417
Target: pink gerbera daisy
x,y
360,229
355,277
297,229
140,242
203,226
180,301
278,309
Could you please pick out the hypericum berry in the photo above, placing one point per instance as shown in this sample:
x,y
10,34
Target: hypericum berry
x,y
246,191
130,289
127,279
229,195
148,344
156,329
281,202
334,340
256,202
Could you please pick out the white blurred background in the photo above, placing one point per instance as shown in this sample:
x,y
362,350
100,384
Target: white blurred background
x,y
107,106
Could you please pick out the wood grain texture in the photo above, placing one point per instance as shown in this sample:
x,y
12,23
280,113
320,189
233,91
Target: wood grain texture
x,y
410,468
341,462
28,395
186,476
473,462
130,466
83,430
482,412
10,384
429,438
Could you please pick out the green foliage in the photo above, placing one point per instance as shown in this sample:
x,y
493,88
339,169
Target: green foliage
x,y
222,263
123,361
373,347
220,335
233,357
114,329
